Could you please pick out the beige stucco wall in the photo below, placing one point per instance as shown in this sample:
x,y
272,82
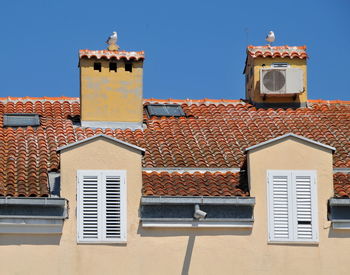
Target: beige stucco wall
x,y
186,251
111,96
253,86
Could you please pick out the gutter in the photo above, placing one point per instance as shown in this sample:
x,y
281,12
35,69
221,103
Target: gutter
x,y
33,201
339,213
32,215
151,200
339,202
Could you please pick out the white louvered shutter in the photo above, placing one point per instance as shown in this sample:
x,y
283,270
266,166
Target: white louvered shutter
x,y
88,222
101,206
292,206
114,203
304,207
279,206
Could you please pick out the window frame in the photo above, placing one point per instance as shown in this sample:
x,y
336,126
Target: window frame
x,y
292,204
101,174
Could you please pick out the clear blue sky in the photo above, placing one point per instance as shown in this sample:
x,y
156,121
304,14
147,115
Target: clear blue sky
x,y
194,49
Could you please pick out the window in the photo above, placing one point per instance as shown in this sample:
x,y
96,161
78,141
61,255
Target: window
x,y
292,206
97,66
21,120
128,67
101,206
113,66
167,110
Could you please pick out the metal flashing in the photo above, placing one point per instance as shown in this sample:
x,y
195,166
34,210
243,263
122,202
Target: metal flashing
x,y
339,202
341,170
54,184
185,223
148,200
112,125
190,170
32,215
101,136
287,136
33,201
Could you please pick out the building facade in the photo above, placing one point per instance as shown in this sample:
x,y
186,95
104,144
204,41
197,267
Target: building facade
x,y
111,183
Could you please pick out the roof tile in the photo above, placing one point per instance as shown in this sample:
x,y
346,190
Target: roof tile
x,y
214,134
341,183
277,51
196,184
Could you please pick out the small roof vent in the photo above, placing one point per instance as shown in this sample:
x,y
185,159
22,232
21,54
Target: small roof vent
x,y
167,110
21,120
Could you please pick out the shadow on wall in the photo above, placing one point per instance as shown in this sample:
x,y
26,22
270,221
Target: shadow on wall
x,y
192,233
13,239
188,255
338,233
174,232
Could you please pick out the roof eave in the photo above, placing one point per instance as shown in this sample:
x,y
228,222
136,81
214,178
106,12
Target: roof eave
x,y
103,136
290,135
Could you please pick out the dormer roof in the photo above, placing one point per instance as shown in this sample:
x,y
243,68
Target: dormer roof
x,y
288,136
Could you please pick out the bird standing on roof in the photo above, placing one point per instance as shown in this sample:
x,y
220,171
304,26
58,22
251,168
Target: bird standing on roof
x,y
270,37
112,42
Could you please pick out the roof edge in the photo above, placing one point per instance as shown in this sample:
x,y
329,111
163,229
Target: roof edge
x,y
34,99
290,135
99,136
164,101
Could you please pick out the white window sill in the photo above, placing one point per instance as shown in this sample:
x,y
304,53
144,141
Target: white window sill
x,y
101,242
294,242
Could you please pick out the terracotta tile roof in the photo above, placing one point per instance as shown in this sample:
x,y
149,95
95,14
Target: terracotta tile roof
x,y
277,51
197,184
341,184
112,54
214,134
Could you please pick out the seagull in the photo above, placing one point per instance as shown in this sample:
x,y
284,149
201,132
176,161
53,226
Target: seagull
x,y
112,40
270,37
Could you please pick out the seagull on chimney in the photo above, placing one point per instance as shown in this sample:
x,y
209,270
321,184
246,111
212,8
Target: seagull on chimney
x,y
270,37
112,40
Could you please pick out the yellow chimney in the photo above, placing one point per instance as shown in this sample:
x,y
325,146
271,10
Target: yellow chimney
x,y
111,88
276,76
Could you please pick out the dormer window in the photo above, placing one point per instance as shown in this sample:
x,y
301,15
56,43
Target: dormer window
x,y
167,110
21,120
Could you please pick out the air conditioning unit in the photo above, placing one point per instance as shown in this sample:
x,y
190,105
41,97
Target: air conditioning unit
x,y
281,81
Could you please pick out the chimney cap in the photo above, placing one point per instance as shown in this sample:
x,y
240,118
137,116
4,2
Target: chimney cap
x,y
277,51
132,55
